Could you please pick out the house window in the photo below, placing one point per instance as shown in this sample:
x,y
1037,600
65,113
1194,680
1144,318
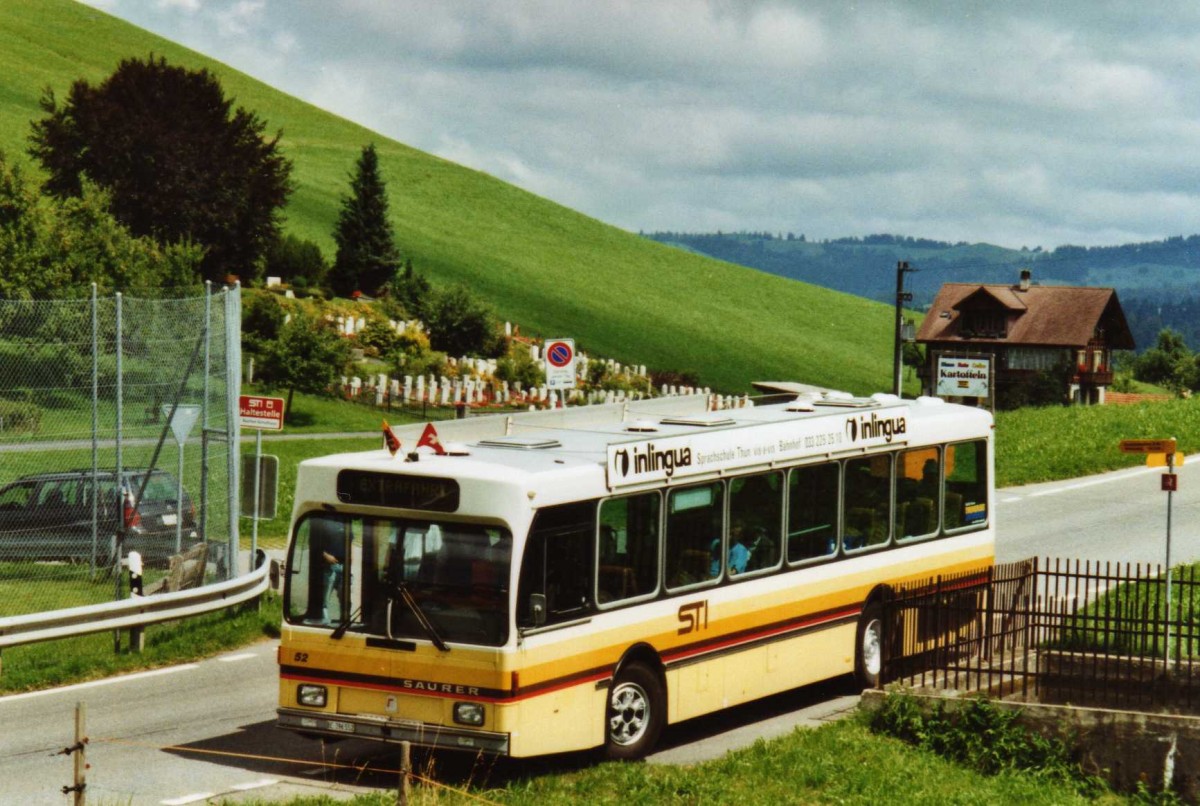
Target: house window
x,y
1035,358
984,323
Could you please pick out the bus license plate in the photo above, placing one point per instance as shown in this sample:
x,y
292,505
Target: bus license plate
x,y
344,727
170,519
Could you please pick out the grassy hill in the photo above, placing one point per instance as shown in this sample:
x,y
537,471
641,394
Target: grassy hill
x,y
554,271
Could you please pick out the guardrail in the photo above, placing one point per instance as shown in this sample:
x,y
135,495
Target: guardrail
x,y
136,611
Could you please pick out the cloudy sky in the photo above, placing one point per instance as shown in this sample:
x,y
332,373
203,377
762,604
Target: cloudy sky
x,y
1020,124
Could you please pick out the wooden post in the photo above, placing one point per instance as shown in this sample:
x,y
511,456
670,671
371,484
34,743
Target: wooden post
x,y
81,753
405,768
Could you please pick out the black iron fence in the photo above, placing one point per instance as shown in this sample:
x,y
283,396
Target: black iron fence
x,y
1051,630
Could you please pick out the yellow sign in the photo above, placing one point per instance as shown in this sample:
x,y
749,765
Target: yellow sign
x,y
1148,445
1160,459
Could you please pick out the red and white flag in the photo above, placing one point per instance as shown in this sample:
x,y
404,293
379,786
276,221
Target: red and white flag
x,y
429,437
390,440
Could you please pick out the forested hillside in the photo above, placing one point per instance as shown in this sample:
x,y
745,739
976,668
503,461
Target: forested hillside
x,y
1155,281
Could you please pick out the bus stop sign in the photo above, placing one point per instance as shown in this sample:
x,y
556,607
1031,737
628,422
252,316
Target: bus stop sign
x,y
1148,446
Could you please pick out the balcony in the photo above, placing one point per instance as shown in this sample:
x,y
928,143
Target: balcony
x,y
1100,377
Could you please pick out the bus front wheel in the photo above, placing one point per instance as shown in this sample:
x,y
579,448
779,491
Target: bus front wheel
x,y
869,647
636,713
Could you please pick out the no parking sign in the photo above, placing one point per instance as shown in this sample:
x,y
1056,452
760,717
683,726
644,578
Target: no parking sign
x,y
560,364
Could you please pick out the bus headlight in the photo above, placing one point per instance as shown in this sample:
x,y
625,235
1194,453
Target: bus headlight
x,y
468,713
312,696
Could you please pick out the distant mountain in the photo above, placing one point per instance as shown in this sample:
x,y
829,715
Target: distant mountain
x,y
1158,282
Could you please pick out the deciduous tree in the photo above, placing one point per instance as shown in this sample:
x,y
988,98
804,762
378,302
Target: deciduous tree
x,y
307,356
58,248
460,323
180,164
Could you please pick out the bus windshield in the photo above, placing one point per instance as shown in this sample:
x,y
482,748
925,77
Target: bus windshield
x,y
351,572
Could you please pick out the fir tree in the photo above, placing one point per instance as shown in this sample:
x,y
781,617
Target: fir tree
x,y
367,257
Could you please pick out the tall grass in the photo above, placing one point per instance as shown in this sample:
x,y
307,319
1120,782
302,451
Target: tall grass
x,y
1044,444
842,763
90,657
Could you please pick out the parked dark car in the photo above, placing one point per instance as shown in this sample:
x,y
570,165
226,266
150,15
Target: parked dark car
x,y
49,516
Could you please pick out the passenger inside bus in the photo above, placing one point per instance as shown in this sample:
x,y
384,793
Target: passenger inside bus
x,y
739,553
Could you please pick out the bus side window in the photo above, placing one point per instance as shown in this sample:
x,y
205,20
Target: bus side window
x,y
558,563
965,502
755,521
866,501
695,534
918,479
628,548
812,512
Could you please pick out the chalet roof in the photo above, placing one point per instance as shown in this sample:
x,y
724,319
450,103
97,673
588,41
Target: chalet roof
x,y
1041,315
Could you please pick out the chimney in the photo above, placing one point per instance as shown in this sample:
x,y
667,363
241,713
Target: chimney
x,y
1026,276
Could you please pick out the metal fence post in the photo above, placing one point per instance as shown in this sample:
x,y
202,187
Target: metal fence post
x,y
233,385
120,541
95,428
204,411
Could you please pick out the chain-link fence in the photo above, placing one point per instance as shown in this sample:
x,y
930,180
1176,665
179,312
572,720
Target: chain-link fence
x,y
116,416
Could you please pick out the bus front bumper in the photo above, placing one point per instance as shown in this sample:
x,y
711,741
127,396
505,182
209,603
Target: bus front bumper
x,y
382,729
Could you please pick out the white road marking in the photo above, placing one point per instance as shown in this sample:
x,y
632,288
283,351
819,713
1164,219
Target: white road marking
x,y
254,785
107,681
1011,500
1093,482
194,798
233,658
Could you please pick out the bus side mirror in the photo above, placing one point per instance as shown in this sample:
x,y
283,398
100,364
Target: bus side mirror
x,y
537,608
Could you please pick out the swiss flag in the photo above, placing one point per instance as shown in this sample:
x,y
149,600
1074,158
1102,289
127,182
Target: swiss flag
x,y
429,437
390,441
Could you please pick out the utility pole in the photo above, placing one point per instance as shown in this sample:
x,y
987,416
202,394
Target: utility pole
x,y
902,297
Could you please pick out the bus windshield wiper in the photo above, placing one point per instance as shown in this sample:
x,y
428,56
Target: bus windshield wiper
x,y
422,619
345,625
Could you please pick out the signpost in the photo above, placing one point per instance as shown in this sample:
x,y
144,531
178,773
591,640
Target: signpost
x,y
259,413
1161,452
182,421
560,363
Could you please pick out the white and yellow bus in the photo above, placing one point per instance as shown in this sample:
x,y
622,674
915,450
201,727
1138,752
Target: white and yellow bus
x,y
561,589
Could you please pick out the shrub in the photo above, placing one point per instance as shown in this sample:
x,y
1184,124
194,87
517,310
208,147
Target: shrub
x,y
981,736
16,417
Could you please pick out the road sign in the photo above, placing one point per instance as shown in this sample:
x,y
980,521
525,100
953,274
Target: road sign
x,y
1170,482
183,420
265,413
267,486
1160,459
560,364
1148,445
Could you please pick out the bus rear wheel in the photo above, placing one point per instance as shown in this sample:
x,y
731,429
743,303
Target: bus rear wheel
x,y
636,713
869,647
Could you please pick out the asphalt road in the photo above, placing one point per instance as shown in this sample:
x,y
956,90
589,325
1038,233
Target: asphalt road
x,y
1118,516
198,731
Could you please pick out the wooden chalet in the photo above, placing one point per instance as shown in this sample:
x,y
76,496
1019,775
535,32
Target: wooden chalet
x,y
1026,329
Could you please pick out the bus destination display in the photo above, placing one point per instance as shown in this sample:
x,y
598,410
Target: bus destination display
x,y
393,490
